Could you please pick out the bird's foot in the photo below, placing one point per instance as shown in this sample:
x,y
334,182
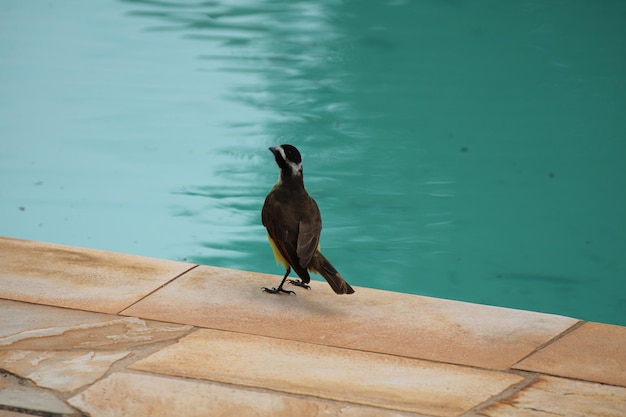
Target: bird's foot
x,y
299,283
278,290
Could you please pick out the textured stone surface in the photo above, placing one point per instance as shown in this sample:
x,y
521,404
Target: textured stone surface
x,y
126,394
314,354
551,396
16,395
63,371
371,320
593,352
26,326
321,371
17,317
86,279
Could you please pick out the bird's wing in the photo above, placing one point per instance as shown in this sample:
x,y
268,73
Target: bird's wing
x,y
283,237
308,241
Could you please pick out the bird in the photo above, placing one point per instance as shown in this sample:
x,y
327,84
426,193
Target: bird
x,y
293,222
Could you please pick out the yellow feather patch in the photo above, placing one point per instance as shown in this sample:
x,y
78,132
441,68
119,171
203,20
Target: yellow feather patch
x,y
279,258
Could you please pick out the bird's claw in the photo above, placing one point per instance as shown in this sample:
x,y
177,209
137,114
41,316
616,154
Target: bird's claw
x,y
278,290
299,283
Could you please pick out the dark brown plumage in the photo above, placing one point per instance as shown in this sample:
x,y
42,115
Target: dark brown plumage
x,y
294,224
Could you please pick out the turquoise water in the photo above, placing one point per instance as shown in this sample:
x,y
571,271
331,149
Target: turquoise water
x,y
464,150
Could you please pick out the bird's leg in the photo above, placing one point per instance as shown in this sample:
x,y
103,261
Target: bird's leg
x,y
299,283
280,289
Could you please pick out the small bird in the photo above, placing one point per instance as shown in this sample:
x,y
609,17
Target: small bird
x,y
294,224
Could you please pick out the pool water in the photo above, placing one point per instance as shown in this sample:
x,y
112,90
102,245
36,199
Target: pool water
x,y
463,150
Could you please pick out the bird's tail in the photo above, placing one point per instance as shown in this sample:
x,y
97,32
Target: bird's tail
x,y
322,266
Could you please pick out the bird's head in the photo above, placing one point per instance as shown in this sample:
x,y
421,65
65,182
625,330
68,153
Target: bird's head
x,y
289,161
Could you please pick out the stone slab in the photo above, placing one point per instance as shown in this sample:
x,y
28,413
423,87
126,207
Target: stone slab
x,y
366,378
26,326
63,371
128,394
85,279
15,395
552,396
370,320
592,352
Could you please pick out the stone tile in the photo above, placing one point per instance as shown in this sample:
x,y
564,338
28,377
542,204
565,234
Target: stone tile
x,y
63,371
85,279
26,326
19,396
592,352
371,320
18,317
127,394
321,371
551,396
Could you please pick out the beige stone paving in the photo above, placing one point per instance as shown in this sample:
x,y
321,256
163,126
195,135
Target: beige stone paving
x,y
321,371
24,318
374,353
372,320
126,394
65,349
15,395
63,371
26,326
85,279
593,352
551,396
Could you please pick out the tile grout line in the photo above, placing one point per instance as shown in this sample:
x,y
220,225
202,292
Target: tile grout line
x,y
119,313
529,379
555,339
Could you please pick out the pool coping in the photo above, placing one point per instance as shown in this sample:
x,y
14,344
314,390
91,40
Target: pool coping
x,y
82,328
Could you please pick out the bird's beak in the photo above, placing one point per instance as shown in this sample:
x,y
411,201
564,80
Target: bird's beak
x,y
273,149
